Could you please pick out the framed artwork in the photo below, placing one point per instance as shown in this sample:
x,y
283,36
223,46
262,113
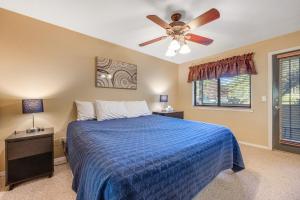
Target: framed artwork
x,y
115,74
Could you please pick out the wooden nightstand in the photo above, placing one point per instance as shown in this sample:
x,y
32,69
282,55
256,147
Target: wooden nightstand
x,y
175,114
28,155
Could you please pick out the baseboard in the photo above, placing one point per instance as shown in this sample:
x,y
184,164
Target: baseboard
x,y
255,145
57,161
60,160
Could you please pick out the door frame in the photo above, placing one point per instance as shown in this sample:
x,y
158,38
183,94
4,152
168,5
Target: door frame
x,y
270,91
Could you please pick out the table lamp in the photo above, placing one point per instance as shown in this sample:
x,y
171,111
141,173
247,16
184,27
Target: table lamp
x,y
32,106
163,99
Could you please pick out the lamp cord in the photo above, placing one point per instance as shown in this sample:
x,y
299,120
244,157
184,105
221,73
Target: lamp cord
x,y
32,120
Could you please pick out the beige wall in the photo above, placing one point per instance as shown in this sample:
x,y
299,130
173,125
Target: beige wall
x,y
250,127
39,60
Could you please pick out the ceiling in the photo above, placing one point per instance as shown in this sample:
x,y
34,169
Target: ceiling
x,y
124,22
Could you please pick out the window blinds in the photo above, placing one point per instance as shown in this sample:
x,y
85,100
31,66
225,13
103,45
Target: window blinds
x,y
206,92
235,91
289,91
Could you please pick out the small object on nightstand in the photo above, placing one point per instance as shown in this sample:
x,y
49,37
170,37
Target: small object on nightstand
x,y
28,156
175,114
32,106
164,99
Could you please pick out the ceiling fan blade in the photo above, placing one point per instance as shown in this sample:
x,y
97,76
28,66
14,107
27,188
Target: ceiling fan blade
x,y
157,20
152,41
205,18
198,39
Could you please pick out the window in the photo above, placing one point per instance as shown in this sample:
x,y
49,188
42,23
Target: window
x,y
224,92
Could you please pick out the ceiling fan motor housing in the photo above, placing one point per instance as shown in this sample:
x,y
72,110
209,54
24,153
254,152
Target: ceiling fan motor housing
x,y
178,28
176,17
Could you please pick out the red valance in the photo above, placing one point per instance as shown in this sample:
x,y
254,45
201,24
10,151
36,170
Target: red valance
x,y
227,67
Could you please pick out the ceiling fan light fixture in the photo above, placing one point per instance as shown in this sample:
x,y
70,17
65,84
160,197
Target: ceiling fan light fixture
x,y
185,49
170,53
174,45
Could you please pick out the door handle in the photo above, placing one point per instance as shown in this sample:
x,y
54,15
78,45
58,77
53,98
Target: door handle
x,y
277,107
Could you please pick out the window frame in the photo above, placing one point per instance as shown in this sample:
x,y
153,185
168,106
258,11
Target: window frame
x,y
218,105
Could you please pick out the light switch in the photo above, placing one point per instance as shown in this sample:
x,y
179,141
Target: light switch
x,y
263,98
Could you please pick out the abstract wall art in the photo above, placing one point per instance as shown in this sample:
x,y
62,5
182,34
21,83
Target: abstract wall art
x,y
115,74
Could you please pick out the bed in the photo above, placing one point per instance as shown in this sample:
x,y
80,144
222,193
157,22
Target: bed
x,y
149,157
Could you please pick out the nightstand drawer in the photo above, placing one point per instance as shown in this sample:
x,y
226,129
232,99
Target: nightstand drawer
x,y
25,148
175,114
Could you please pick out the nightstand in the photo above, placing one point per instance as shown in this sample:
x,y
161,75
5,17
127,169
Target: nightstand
x,y
28,155
175,114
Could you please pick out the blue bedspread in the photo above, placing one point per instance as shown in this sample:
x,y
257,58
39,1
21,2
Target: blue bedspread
x,y
150,157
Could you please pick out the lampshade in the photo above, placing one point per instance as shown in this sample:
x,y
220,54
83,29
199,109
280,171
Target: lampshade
x,y
163,98
32,105
174,45
170,53
185,49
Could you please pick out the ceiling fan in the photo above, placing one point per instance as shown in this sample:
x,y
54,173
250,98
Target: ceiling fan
x,y
180,31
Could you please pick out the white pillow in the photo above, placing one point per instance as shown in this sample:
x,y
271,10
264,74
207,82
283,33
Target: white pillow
x,y
85,110
110,110
137,108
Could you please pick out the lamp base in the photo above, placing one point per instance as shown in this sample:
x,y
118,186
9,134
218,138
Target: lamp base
x,y
33,130
168,109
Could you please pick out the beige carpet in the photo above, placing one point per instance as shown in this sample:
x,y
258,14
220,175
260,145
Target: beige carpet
x,y
270,175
